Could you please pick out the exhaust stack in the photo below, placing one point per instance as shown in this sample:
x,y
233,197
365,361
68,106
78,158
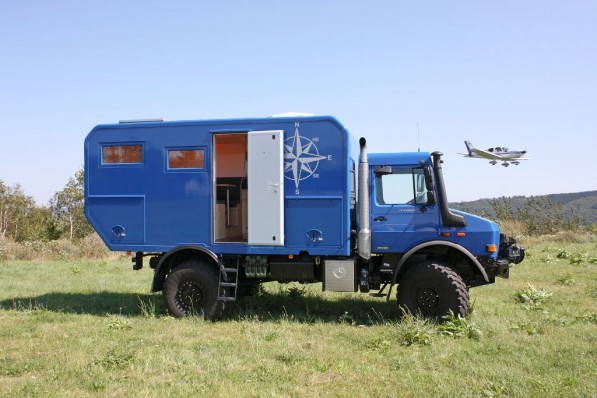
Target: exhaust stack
x,y
364,239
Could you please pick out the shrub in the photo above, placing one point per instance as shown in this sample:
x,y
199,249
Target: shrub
x,y
538,216
563,253
532,297
93,247
458,327
63,249
2,248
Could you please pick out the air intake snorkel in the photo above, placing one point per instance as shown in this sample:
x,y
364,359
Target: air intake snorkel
x,y
449,219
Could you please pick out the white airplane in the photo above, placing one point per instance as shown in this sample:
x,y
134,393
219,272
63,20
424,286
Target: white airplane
x,y
497,154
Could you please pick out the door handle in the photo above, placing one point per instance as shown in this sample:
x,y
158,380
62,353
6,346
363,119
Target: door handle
x,y
380,218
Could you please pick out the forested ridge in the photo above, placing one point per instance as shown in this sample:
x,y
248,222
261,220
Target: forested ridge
x,y
580,204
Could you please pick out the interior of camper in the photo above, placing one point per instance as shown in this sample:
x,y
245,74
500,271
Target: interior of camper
x,y
230,185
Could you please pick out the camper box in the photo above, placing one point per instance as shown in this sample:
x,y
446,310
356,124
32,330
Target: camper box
x,y
246,186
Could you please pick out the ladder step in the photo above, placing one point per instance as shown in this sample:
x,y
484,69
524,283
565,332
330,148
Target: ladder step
x,y
226,299
228,279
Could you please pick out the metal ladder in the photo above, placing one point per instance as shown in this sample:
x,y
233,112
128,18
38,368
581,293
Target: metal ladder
x,y
228,281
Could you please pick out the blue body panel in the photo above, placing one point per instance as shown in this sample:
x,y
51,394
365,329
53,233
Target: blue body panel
x,y
479,232
148,207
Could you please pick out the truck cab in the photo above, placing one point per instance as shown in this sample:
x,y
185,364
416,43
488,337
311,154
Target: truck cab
x,y
435,254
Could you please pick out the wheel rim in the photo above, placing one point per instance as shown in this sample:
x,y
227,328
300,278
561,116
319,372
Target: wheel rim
x,y
190,297
427,298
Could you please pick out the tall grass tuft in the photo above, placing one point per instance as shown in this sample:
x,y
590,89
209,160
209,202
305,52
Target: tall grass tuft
x,y
147,308
90,246
414,330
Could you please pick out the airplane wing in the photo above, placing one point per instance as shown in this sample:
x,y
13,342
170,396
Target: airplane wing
x,y
486,155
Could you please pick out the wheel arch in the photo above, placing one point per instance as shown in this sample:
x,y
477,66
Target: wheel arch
x,y
473,263
177,256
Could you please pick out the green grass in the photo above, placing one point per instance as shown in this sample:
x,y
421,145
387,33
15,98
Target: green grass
x,y
90,328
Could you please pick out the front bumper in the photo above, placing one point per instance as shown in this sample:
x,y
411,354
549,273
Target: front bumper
x,y
509,253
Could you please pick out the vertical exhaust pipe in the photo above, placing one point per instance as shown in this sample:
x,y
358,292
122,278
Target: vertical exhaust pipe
x,y
364,241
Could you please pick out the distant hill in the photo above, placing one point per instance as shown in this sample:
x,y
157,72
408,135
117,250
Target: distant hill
x,y
584,204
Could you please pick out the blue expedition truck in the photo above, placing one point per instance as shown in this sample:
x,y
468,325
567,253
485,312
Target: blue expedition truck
x,y
219,206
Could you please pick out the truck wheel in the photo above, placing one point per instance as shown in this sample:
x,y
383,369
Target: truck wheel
x,y
192,289
432,291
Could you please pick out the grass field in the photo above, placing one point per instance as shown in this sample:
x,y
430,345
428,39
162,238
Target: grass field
x,y
89,328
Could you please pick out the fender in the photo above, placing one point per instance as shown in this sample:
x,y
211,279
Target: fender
x,y
160,274
436,243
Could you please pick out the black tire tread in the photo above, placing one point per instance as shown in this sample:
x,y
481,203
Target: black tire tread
x,y
192,268
441,271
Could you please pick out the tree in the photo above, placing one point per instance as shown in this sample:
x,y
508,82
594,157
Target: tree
x,y
39,225
15,209
68,208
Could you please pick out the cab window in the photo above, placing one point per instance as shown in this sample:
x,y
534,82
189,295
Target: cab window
x,y
401,186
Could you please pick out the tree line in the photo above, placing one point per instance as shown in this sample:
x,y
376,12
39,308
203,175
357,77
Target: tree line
x,y
21,219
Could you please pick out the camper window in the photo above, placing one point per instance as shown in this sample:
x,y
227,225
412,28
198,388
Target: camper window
x,y
186,158
115,154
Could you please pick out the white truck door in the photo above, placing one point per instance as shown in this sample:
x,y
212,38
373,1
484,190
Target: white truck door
x,y
265,180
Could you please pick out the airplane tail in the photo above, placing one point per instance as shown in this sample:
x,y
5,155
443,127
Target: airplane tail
x,y
469,148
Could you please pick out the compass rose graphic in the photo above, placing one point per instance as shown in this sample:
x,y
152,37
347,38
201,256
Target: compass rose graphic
x,y
301,158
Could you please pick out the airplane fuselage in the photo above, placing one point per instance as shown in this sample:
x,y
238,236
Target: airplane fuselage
x,y
495,154
500,152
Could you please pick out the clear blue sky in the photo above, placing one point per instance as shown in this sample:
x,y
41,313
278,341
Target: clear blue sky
x,y
521,74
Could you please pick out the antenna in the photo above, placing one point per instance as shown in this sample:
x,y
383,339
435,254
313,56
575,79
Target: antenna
x,y
418,138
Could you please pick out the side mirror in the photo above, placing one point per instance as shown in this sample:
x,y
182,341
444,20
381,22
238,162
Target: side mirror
x,y
429,185
428,179
430,198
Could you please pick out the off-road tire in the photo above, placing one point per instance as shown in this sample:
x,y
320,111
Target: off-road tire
x,y
191,289
432,290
